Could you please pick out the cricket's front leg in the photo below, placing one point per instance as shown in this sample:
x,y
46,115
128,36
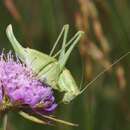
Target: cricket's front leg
x,y
32,118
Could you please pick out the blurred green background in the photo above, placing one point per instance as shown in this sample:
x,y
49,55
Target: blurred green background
x,y
105,105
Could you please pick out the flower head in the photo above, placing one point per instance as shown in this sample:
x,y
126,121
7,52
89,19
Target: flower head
x,y
22,87
0,93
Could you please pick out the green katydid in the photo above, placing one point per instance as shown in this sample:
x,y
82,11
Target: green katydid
x,y
47,68
51,70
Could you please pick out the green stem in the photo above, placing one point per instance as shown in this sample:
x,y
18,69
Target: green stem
x,y
5,119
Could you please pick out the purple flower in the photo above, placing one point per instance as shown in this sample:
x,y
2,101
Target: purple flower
x,y
22,87
0,92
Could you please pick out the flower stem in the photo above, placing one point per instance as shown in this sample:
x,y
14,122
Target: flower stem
x,y
5,119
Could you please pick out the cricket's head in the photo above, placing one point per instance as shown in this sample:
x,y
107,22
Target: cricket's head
x,y
67,84
68,97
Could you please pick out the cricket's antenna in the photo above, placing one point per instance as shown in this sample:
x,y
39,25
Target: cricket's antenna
x,y
82,74
105,70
